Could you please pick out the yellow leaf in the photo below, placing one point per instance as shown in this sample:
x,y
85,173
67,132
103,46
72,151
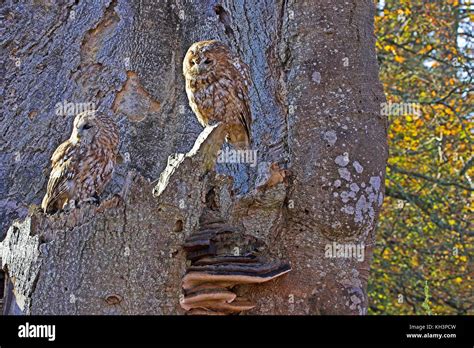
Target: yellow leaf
x,y
399,59
426,49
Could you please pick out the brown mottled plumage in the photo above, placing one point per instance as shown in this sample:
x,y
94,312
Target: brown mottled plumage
x,y
83,164
217,85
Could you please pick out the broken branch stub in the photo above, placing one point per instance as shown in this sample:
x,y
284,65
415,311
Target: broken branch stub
x,y
204,152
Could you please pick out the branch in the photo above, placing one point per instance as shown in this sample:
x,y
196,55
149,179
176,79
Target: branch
x,y
424,206
430,178
467,166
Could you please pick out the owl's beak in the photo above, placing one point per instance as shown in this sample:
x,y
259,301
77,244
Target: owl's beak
x,y
198,68
75,137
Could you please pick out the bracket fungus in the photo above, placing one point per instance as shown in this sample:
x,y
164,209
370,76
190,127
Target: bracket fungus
x,y
215,268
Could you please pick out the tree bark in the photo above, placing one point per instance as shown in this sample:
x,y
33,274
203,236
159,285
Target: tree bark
x,y
316,108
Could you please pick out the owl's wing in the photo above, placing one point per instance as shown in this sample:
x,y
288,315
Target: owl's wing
x,y
243,86
243,70
61,152
62,171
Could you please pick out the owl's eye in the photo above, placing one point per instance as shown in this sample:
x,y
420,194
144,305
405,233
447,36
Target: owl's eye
x,y
87,126
207,61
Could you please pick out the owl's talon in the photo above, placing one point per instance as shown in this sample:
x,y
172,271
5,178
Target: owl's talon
x,y
71,205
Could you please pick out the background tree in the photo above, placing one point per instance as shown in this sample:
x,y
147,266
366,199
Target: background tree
x,y
425,233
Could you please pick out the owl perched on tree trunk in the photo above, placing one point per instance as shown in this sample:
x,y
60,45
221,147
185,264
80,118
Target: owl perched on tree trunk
x,y
217,85
83,164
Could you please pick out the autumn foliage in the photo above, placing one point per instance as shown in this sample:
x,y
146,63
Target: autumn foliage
x,y
425,234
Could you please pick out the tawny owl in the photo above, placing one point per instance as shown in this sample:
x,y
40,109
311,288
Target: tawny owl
x,y
83,164
217,85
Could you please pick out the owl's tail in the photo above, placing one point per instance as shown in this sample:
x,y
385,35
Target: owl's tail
x,y
239,137
47,205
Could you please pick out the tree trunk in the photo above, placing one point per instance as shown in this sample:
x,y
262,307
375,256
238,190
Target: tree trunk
x,y
320,141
